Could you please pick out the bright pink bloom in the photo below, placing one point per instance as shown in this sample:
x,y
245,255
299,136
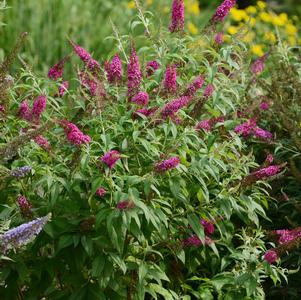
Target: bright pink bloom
x,y
141,98
110,158
219,38
172,107
125,204
25,206
100,192
39,105
151,67
258,65
208,90
266,172
82,53
270,256
208,227
24,111
269,159
204,124
114,70
74,135
93,64
57,70
193,240
222,11
196,85
246,128
1,108
262,134
177,16
167,164
264,106
42,142
170,79
133,73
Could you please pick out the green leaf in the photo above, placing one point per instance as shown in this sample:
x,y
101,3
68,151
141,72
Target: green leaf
x,y
194,222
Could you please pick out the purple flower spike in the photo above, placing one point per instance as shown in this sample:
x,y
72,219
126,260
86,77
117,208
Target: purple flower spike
x,y
177,16
208,227
74,135
172,107
194,241
141,98
151,67
219,38
25,206
264,106
222,11
42,142
110,158
258,65
63,88
23,234
146,111
114,70
167,164
194,87
270,256
39,105
262,134
133,73
204,124
57,70
208,90
24,111
20,172
170,79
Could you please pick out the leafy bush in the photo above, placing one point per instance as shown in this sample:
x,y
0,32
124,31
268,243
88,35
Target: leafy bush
x,y
148,173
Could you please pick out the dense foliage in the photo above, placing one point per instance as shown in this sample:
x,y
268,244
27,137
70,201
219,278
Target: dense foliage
x,y
146,176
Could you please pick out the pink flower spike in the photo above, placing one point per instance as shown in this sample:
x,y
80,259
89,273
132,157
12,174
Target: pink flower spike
x,y
269,159
208,90
194,241
205,124
114,70
258,65
167,164
141,98
100,192
270,256
219,38
174,106
208,227
177,16
134,73
63,89
145,111
222,11
24,111
57,70
74,135
264,106
82,53
39,105
125,204
42,142
110,158
170,79
262,134
25,206
151,67
194,87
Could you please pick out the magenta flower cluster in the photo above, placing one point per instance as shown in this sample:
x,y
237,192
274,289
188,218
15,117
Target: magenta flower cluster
x,y
170,79
270,256
110,158
57,70
194,87
171,108
63,88
133,73
74,135
34,114
167,164
88,82
266,172
100,192
25,206
141,98
42,142
209,90
258,65
219,38
114,69
222,11
145,111
177,16
151,67
208,124
125,204
250,128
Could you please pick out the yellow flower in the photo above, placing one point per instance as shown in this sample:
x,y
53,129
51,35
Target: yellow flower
x,y
149,2
252,21
270,36
257,50
292,41
192,28
261,4
248,38
193,8
265,17
251,9
166,9
233,29
291,29
278,21
131,5
238,14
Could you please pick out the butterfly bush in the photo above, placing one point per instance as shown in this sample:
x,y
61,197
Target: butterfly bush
x,y
172,183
